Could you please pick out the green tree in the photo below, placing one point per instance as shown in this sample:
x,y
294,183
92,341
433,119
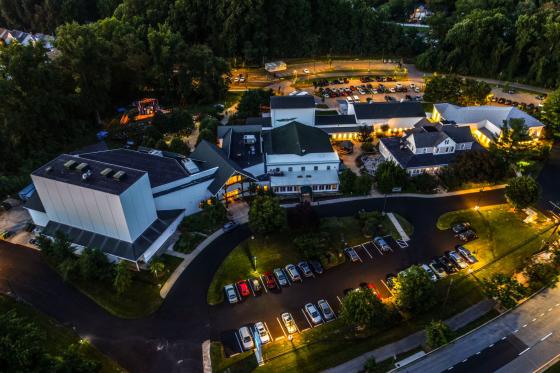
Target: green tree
x,y
442,88
414,290
347,180
93,265
390,175
266,215
522,192
514,142
361,308
303,218
177,145
252,102
21,345
157,267
507,290
541,275
123,278
437,334
206,135
312,245
364,133
474,92
551,112
362,185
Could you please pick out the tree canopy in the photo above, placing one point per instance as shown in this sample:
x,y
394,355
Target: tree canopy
x,y
266,215
522,192
414,290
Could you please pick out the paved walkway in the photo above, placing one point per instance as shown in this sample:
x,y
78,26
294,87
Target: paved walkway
x,y
412,341
397,225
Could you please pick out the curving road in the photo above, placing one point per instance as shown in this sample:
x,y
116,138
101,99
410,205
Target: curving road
x,y
170,339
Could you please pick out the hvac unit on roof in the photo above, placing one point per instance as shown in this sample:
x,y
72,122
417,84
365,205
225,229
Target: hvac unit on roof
x,y
119,175
82,167
190,166
249,139
106,172
86,175
69,165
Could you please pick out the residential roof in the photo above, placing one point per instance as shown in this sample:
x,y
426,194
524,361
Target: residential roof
x,y
209,156
297,138
55,170
261,121
339,129
161,170
458,134
427,139
128,250
236,148
474,114
292,102
325,120
387,110
407,159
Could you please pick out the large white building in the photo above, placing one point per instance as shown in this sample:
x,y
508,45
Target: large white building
x,y
485,121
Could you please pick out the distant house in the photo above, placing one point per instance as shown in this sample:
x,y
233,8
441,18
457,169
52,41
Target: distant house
x,y
25,38
427,148
420,14
485,121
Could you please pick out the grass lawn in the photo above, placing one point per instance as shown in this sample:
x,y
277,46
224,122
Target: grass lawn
x,y
502,235
59,337
195,228
140,300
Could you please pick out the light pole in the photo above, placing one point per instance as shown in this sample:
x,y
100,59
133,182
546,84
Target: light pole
x,y
255,263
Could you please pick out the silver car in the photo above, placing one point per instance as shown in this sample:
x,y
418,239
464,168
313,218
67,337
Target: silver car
x,y
246,339
326,310
293,272
231,294
382,244
313,313
281,277
457,260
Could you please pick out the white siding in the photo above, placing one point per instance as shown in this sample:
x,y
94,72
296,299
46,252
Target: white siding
x,y
154,248
138,207
187,199
39,218
280,117
255,170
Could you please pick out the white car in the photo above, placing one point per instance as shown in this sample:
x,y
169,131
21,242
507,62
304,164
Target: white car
x,y
399,85
313,313
242,79
457,260
263,333
438,269
392,90
356,98
417,90
231,294
430,273
412,85
306,71
246,339
289,323
292,271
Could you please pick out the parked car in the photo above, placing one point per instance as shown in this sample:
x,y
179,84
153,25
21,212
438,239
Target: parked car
x,y
313,313
255,284
460,227
390,280
326,310
437,268
269,281
231,294
289,323
382,244
447,264
371,287
457,259
316,266
281,277
34,242
229,226
352,254
306,71
292,271
263,333
466,253
243,288
467,235
430,272
304,268
246,339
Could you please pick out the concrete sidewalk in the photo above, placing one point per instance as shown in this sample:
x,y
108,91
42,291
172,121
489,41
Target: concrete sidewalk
x,y
398,226
412,341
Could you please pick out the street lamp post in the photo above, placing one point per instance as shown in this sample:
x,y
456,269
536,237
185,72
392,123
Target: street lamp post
x,y
255,262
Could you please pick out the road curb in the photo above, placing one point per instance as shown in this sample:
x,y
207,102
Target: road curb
x,y
206,358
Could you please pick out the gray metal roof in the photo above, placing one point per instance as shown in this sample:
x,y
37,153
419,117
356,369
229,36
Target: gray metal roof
x,y
325,120
122,249
428,139
34,203
209,156
292,102
495,114
387,110
55,170
458,134
161,170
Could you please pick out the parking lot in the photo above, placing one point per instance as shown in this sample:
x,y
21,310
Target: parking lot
x,y
370,270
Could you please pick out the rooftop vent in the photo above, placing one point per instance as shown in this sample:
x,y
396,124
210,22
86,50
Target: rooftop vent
x,y
82,167
86,175
106,172
48,169
70,165
190,166
249,139
119,175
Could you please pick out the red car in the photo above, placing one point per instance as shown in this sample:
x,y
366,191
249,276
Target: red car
x,y
269,280
243,288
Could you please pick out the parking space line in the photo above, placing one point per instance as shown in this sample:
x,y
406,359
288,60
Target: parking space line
x,y
238,342
367,251
306,319
281,327
377,248
359,257
264,286
268,330
252,290
387,287
337,297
